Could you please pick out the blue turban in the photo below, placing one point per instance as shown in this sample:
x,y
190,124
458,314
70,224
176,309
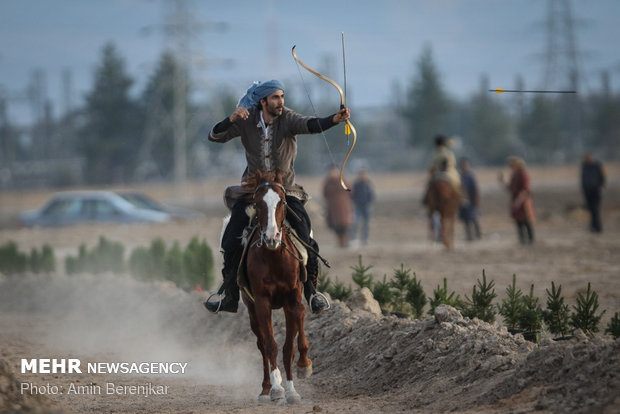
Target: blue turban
x,y
258,91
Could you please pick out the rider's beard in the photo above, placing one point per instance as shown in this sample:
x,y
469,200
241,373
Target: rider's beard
x,y
275,110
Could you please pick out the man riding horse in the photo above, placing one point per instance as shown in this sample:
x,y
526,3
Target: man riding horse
x,y
443,165
268,132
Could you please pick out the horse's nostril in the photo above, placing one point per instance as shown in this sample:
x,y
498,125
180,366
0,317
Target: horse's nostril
x,y
272,244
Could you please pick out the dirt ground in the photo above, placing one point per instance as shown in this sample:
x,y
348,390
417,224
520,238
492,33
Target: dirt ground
x,y
362,362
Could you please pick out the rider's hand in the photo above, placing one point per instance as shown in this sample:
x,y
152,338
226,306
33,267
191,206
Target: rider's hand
x,y
240,113
342,115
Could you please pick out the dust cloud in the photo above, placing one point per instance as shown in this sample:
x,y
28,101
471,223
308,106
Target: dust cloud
x,y
116,318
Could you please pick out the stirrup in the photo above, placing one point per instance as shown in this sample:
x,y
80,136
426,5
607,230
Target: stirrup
x,y
320,295
219,303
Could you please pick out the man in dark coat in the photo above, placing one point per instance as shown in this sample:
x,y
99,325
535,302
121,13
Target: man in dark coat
x,y
468,210
592,184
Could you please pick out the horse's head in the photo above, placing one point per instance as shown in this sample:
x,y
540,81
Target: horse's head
x,y
270,205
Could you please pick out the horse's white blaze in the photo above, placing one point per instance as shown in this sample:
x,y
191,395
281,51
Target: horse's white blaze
x,y
272,199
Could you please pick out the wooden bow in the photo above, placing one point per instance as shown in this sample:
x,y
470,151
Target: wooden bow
x,y
348,125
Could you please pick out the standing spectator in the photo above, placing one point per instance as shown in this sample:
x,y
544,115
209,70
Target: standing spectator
x,y
521,206
468,210
592,184
338,206
363,195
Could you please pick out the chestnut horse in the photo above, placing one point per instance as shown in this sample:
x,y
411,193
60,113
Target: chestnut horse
x,y
443,198
273,270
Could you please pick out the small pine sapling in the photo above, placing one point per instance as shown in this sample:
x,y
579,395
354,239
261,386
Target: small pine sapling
x,y
12,261
398,288
48,259
613,327
324,283
340,291
416,297
511,306
480,305
198,263
584,316
361,276
381,292
530,319
337,290
441,297
173,265
557,314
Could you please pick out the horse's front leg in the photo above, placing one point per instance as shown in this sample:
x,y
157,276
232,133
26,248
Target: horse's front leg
x,y
304,364
266,385
294,313
265,327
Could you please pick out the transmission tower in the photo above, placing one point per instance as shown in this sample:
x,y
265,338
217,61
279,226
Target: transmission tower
x,y
562,72
180,27
561,56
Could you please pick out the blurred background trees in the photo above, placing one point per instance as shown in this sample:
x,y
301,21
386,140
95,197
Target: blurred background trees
x,y
119,135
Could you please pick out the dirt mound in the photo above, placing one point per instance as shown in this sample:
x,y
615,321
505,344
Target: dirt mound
x,y
580,375
12,400
441,363
451,363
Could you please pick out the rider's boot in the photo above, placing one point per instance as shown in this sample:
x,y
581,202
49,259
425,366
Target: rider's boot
x,y
317,301
230,302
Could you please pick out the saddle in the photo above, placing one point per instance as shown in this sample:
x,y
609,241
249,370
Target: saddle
x,y
450,176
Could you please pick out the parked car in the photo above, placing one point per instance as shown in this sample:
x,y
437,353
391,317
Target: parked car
x,y
142,200
68,208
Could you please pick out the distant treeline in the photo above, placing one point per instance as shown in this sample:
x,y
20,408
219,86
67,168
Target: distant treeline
x,y
119,136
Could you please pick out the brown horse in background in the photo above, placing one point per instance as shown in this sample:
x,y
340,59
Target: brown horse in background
x,y
273,270
444,199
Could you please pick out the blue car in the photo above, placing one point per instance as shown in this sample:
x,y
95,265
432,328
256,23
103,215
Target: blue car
x,y
142,200
67,208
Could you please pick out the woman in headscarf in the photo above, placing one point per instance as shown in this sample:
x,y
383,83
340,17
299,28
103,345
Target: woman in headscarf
x,y
521,205
338,206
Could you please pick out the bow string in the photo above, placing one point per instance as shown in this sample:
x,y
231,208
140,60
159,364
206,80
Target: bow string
x,y
348,125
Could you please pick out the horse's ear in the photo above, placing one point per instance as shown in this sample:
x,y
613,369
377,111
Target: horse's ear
x,y
278,178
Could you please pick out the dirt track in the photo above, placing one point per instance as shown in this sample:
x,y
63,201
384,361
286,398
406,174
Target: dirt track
x,y
113,318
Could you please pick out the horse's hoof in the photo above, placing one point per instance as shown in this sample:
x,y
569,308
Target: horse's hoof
x,y
304,372
293,398
264,398
276,394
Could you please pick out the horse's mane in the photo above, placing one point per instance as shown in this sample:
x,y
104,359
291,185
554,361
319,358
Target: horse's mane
x,y
258,177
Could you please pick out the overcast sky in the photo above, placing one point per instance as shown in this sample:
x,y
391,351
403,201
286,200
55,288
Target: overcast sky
x,y
499,38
